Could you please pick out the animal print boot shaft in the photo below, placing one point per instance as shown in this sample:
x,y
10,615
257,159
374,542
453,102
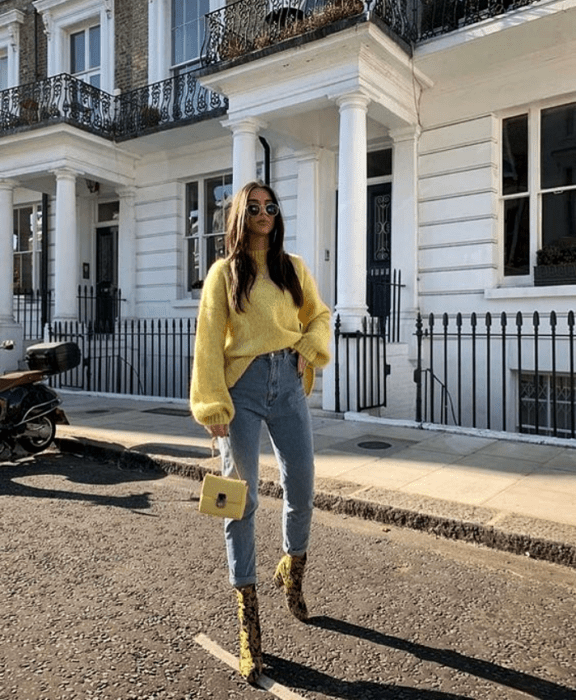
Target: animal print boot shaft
x,y
250,636
289,575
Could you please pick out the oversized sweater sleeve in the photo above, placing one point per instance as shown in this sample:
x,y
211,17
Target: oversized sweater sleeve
x,y
210,399
314,316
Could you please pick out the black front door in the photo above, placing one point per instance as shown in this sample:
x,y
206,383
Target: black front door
x,y
379,240
106,278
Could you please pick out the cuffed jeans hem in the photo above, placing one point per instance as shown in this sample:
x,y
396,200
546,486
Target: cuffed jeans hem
x,y
240,583
296,554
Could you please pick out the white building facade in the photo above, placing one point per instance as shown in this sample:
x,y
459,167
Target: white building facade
x,y
438,141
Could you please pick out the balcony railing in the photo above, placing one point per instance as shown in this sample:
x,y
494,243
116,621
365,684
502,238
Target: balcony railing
x,y
435,17
250,25
60,98
167,103
65,99
245,26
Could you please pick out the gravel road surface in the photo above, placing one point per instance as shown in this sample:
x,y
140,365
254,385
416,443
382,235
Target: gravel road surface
x,y
107,576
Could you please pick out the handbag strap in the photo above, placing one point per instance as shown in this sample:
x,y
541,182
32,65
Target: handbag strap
x,y
227,440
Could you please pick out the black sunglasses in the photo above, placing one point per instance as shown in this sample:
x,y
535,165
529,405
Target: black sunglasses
x,y
271,209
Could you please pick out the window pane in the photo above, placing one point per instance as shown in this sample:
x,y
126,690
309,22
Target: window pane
x,y
558,139
108,211
3,72
193,263
559,218
77,53
94,42
218,195
516,237
95,80
177,12
515,155
192,209
379,163
215,248
191,49
178,45
190,10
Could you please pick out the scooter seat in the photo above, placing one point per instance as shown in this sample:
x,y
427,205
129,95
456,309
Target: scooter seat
x,y
12,379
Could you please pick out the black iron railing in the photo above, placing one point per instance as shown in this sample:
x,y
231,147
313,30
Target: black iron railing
x,y
510,374
33,310
435,17
60,98
251,25
146,358
360,366
169,102
65,99
101,306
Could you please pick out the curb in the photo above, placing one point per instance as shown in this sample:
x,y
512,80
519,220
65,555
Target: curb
x,y
449,528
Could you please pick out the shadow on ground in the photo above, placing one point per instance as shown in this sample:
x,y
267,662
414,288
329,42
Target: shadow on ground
x,y
487,670
76,470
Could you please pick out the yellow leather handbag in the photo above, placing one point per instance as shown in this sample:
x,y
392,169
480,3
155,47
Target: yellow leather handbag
x,y
223,496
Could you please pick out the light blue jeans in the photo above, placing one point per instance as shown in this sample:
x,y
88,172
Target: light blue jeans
x,y
270,391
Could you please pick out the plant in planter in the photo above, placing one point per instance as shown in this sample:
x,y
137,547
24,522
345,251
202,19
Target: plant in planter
x,y
150,116
556,263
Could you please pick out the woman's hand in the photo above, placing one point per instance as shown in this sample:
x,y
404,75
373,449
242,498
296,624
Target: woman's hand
x,y
302,362
220,430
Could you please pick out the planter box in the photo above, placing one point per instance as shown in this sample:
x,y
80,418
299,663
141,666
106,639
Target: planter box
x,y
545,275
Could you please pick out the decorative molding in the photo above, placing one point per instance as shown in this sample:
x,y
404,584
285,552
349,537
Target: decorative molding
x,y
108,7
48,21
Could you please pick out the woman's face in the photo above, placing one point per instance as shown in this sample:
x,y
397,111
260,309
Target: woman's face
x,y
261,224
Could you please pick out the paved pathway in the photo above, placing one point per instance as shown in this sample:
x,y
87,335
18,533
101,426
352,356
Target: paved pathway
x,y
509,485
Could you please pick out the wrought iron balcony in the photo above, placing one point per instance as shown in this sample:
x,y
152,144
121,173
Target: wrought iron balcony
x,y
245,26
435,17
65,99
60,98
180,99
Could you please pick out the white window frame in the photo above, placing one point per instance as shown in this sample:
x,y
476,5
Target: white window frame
x,y
10,44
36,241
88,71
535,191
160,37
64,17
202,234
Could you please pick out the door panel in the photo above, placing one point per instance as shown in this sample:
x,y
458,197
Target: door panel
x,y
378,264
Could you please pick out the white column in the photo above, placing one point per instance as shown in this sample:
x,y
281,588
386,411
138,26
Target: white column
x,y
6,251
127,251
244,150
158,40
404,242
65,247
307,208
108,47
352,211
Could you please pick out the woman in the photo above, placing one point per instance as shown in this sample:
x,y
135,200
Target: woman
x,y
260,322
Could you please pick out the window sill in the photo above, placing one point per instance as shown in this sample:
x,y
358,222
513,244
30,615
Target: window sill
x,y
554,291
186,303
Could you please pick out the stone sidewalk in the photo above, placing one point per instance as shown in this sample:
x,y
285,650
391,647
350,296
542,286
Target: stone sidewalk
x,y
511,494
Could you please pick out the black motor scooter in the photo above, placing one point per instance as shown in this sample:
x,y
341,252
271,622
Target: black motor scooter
x,y
28,408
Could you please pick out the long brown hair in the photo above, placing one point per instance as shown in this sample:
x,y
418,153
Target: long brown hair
x,y
242,265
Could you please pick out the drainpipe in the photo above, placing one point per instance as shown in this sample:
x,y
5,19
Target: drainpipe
x,y
266,147
44,261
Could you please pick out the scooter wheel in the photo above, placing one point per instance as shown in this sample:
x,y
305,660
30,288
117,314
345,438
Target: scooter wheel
x,y
39,434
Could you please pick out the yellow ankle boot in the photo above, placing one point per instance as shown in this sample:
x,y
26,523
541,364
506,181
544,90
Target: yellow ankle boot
x,y
250,636
289,574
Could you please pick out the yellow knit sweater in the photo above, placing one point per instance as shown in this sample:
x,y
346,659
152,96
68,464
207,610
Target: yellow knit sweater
x,y
227,341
